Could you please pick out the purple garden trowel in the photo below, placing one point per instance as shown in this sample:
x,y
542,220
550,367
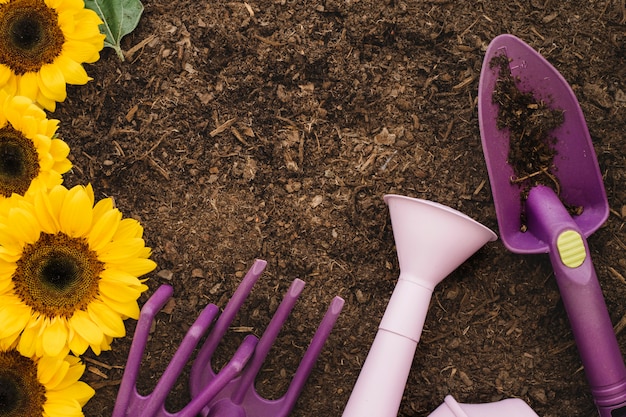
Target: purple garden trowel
x,y
535,217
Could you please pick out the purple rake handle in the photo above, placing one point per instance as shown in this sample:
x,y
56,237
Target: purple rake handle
x,y
583,299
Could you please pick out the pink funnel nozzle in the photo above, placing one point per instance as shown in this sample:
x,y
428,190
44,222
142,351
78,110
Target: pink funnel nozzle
x,y
432,240
512,407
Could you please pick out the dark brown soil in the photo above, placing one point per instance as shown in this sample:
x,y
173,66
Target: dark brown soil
x,y
530,123
272,129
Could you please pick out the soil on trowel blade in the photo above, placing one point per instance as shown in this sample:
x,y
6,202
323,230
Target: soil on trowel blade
x,y
530,123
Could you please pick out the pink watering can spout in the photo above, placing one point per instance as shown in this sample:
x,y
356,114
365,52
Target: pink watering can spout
x,y
432,240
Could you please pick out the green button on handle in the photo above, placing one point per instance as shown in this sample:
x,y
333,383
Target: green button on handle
x,y
571,248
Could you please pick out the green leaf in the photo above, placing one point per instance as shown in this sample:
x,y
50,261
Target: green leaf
x,y
120,18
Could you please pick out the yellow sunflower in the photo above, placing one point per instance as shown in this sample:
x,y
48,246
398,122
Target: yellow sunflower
x,y
47,386
31,156
43,44
68,272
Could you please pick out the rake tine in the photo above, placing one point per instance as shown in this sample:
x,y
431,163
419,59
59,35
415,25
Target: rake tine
x,y
201,371
180,359
267,339
310,356
127,387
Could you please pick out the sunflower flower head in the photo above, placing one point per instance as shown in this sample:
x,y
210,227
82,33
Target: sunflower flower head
x,y
31,156
43,44
46,386
68,272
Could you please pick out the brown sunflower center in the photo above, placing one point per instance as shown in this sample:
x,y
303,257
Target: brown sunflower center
x,y
57,275
21,393
30,36
19,162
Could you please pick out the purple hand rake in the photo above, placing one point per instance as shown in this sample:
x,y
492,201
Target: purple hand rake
x,y
230,392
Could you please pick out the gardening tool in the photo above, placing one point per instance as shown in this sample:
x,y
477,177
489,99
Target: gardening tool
x,y
511,407
432,240
549,225
211,392
239,397
130,403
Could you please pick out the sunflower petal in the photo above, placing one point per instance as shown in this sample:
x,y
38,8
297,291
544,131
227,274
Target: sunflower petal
x,y
119,291
52,82
74,373
8,240
46,161
47,367
5,74
78,50
106,343
89,191
29,229
29,343
14,318
128,229
46,102
86,328
62,166
79,391
76,213
138,266
27,85
121,250
73,72
55,337
6,283
51,371
107,319
101,207
57,197
103,230
77,344
59,150
120,277
45,212
62,407
126,309
87,21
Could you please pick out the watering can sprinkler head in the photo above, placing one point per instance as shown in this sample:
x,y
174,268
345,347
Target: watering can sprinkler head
x,y
512,407
432,240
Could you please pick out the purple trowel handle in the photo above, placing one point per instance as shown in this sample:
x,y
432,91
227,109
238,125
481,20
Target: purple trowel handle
x,y
583,299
